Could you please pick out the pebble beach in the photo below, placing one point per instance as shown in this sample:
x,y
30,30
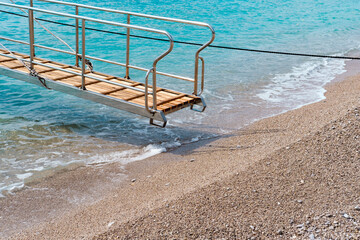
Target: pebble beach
x,y
291,176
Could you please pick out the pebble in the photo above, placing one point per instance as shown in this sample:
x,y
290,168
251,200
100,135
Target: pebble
x,y
133,180
192,160
346,216
280,232
311,236
300,201
329,215
300,226
167,184
287,148
357,208
110,224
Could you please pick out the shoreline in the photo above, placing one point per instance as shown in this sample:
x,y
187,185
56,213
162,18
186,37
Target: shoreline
x,y
165,177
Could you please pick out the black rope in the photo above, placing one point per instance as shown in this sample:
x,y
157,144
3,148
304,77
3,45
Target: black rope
x,y
41,79
196,44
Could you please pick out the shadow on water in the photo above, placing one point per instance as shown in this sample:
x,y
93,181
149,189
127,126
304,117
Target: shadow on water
x,y
31,114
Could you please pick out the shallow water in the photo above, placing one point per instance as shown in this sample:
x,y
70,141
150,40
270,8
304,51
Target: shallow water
x,y
43,129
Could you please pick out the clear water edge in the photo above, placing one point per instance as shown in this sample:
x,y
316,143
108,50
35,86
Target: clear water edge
x,y
45,131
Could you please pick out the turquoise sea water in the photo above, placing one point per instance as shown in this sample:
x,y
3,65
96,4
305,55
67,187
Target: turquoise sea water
x,y
41,129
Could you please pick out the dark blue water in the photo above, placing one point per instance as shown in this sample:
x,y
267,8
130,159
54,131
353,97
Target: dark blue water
x,y
41,129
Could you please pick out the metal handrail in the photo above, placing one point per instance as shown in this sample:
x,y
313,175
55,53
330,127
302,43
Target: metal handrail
x,y
202,75
196,23
99,59
84,19
146,90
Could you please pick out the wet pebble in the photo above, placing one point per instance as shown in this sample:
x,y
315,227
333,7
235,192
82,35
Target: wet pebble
x,y
300,226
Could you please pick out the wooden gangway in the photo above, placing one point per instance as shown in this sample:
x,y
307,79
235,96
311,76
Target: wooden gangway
x,y
144,99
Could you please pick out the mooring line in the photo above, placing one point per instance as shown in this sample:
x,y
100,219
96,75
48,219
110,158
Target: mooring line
x,y
198,44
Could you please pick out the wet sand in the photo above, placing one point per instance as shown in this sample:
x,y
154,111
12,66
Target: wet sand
x,y
276,178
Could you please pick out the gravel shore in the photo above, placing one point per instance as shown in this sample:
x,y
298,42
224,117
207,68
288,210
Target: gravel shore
x,y
307,190
295,175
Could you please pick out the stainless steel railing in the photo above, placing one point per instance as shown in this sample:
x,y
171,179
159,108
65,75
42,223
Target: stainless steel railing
x,y
83,55
127,65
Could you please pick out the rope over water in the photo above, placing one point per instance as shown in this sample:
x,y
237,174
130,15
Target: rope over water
x,y
198,44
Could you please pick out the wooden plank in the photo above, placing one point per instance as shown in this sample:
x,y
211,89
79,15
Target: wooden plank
x,y
22,69
63,77
170,99
123,94
76,81
57,74
102,87
121,88
5,59
42,69
141,101
12,64
55,64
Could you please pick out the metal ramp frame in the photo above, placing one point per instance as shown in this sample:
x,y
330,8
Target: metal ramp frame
x,y
122,93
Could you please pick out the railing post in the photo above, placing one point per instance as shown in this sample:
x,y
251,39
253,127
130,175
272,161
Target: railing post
x,y
196,74
127,76
31,34
83,55
77,36
154,89
202,75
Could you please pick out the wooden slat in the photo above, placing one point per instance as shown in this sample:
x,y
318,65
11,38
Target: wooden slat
x,y
57,74
12,64
121,88
102,87
123,94
5,59
76,81
63,77
171,99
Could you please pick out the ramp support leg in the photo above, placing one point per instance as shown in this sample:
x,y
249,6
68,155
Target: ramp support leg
x,y
202,106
